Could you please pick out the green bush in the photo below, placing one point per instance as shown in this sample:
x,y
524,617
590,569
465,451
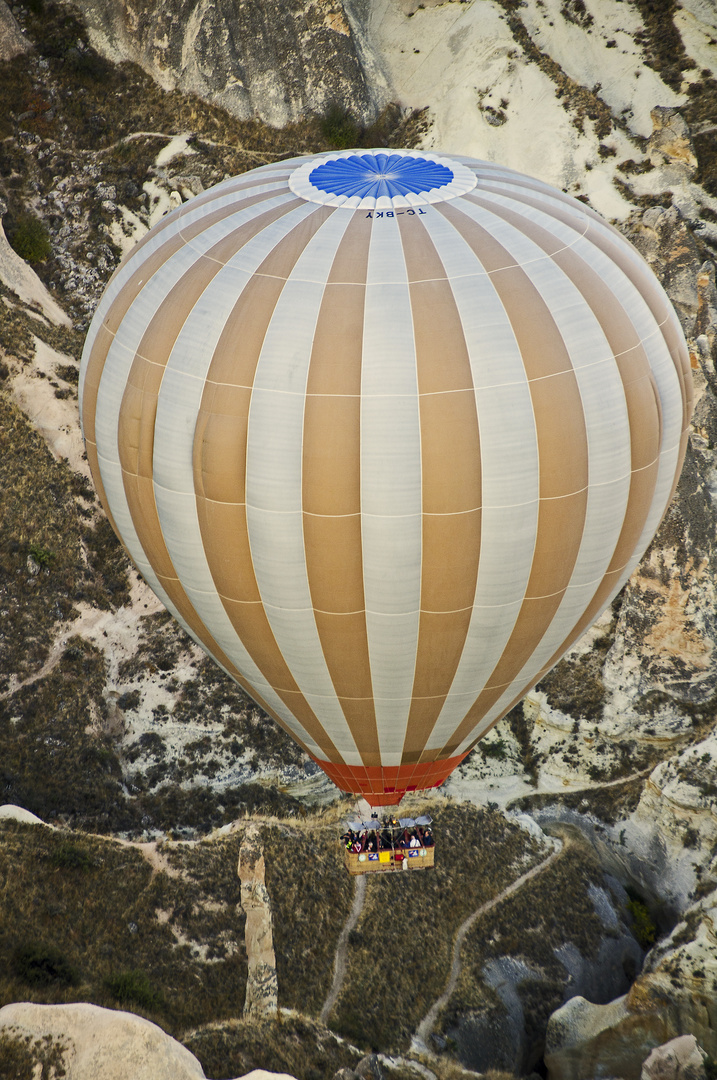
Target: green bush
x,y
43,965
494,750
134,987
643,927
41,555
30,239
339,128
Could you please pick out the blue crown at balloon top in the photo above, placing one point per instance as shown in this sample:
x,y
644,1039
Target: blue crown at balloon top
x,y
376,175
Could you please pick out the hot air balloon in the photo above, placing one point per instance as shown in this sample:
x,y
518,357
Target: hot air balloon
x,y
386,431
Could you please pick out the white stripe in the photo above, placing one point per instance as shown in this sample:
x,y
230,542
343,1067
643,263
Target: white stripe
x,y
390,485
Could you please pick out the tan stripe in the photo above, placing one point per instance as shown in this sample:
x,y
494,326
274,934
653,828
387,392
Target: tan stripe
x,y
645,422
562,453
641,396
147,268
644,281
219,469
135,433
641,491
91,381
450,483
330,469
331,487
251,620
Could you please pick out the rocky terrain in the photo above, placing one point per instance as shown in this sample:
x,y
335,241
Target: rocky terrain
x,y
190,873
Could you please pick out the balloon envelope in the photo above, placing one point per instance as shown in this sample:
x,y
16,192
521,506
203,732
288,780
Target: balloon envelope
x,y
386,431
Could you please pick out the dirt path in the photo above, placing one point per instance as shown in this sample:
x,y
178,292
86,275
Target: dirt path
x,y
419,1043
342,948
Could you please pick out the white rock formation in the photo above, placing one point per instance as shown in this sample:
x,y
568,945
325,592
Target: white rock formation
x,y
679,1059
670,140
106,1044
261,987
103,1044
275,61
8,812
674,995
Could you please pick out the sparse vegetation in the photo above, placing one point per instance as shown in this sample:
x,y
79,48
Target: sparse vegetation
x,y
608,804
575,686
662,40
40,520
25,1058
134,988
311,895
171,948
399,955
339,128
293,1044
38,965
521,728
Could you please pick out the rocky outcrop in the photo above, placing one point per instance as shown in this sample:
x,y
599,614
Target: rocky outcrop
x,y
679,1059
102,1044
674,995
666,633
91,1043
261,986
277,62
12,42
8,812
667,243
670,142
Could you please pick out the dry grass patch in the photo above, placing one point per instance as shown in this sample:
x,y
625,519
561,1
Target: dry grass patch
x,y
608,804
83,919
400,953
292,1044
311,896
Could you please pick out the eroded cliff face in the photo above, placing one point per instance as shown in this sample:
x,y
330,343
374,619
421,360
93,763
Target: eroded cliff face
x,y
276,61
675,994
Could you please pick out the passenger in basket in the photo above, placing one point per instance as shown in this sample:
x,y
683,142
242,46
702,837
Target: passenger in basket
x,y
428,840
405,839
415,842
